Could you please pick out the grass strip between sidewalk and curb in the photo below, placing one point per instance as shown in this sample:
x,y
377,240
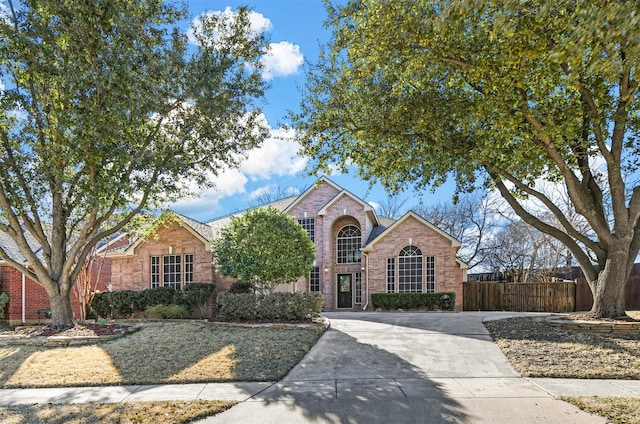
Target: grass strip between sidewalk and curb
x,y
616,410
172,412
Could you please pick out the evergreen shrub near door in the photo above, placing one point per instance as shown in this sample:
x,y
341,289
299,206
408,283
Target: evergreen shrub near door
x,y
414,301
271,307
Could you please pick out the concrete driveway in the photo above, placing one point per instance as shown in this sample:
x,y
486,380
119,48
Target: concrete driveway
x,y
405,368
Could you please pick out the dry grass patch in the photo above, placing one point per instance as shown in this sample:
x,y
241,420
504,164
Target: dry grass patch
x,y
163,352
123,413
537,349
617,410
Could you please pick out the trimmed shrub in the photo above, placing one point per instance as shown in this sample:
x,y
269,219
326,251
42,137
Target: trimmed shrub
x,y
101,304
241,287
4,299
168,312
197,295
414,301
272,307
125,302
159,296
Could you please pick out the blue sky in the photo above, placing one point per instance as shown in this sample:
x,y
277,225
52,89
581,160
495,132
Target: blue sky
x,y
295,29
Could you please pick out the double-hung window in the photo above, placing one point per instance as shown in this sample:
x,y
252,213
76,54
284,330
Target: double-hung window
x,y
171,270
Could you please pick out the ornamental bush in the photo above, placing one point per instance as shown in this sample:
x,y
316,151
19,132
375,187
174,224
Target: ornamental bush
x,y
168,312
197,295
4,299
414,301
271,307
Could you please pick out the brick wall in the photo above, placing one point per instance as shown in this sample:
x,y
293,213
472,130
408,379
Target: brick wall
x,y
134,272
36,298
449,275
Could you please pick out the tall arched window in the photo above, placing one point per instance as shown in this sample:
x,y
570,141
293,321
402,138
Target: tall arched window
x,y
410,270
348,245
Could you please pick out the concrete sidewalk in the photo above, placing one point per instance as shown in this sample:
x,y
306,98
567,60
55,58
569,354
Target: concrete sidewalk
x,y
380,368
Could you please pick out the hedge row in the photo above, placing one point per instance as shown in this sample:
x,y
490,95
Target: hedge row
x,y
123,303
414,301
274,307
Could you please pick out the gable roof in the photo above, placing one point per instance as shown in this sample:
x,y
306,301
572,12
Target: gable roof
x,y
379,233
310,189
369,210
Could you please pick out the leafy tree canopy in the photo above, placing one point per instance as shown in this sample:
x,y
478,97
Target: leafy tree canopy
x,y
515,94
107,109
265,247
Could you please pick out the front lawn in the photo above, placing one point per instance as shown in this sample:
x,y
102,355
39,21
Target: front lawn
x,y
162,352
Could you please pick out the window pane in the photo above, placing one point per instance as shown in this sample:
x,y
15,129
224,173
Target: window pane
x,y
309,224
430,271
358,287
314,280
391,275
172,274
410,270
349,241
155,271
188,268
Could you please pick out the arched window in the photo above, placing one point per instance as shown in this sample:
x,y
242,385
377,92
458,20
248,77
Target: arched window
x,y
348,245
410,270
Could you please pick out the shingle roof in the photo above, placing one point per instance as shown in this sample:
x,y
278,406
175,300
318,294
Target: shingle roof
x,y
218,223
11,248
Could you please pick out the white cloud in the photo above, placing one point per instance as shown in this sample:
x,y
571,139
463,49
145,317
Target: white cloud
x,y
278,155
282,59
229,182
257,21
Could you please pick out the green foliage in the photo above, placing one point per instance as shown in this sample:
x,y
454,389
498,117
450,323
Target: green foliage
x,y
265,247
160,296
101,305
197,295
518,95
106,110
413,301
168,312
272,307
4,299
125,302
241,287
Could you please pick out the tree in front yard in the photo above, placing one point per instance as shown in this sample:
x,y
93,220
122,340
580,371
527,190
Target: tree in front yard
x,y
265,247
517,95
106,110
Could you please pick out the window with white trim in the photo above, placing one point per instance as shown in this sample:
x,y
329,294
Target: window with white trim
x,y
358,287
171,271
155,272
349,241
314,279
410,270
430,274
188,268
309,224
391,275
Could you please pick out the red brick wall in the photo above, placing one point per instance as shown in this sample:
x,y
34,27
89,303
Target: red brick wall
x,y
134,272
36,298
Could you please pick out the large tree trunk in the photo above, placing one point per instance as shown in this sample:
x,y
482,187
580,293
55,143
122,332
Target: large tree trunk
x,y
61,312
608,290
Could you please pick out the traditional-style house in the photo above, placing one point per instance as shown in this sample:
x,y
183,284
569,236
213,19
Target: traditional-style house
x,y
357,252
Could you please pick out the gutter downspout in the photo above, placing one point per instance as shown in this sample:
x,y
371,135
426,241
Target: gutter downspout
x,y
23,299
366,281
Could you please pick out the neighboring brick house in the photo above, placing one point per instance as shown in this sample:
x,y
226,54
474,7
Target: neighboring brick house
x,y
28,301
357,252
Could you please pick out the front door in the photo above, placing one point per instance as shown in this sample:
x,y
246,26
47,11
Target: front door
x,y
345,291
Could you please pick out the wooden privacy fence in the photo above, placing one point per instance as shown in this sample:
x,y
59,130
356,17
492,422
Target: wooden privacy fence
x,y
522,297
